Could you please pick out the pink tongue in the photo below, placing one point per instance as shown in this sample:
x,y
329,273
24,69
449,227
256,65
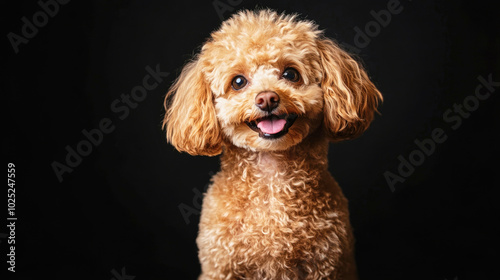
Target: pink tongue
x,y
272,125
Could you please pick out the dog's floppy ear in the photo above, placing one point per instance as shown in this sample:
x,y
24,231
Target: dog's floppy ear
x,y
190,119
350,97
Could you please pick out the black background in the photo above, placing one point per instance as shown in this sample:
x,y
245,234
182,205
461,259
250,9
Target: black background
x,y
118,210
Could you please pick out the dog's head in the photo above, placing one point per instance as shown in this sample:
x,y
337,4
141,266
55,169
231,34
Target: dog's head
x,y
266,81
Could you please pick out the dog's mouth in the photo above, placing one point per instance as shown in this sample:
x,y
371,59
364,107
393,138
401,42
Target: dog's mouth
x,y
272,126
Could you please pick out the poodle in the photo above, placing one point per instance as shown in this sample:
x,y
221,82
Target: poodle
x,y
269,92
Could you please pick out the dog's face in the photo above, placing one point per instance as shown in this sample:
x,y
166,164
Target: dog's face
x,y
264,76
266,82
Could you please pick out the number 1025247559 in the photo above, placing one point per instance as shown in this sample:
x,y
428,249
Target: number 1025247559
x,y
11,191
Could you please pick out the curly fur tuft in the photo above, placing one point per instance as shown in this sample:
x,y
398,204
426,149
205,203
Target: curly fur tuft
x,y
350,97
190,119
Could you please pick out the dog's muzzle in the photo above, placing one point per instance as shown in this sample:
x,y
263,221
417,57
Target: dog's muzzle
x,y
271,126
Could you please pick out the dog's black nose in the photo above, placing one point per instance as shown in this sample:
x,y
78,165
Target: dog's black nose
x,y
267,100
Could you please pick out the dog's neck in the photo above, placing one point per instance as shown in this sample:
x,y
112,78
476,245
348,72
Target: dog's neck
x,y
309,155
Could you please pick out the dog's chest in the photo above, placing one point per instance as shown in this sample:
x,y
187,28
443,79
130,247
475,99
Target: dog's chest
x,y
286,217
278,214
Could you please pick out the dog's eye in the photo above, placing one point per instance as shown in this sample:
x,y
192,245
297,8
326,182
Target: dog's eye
x,y
239,82
291,74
